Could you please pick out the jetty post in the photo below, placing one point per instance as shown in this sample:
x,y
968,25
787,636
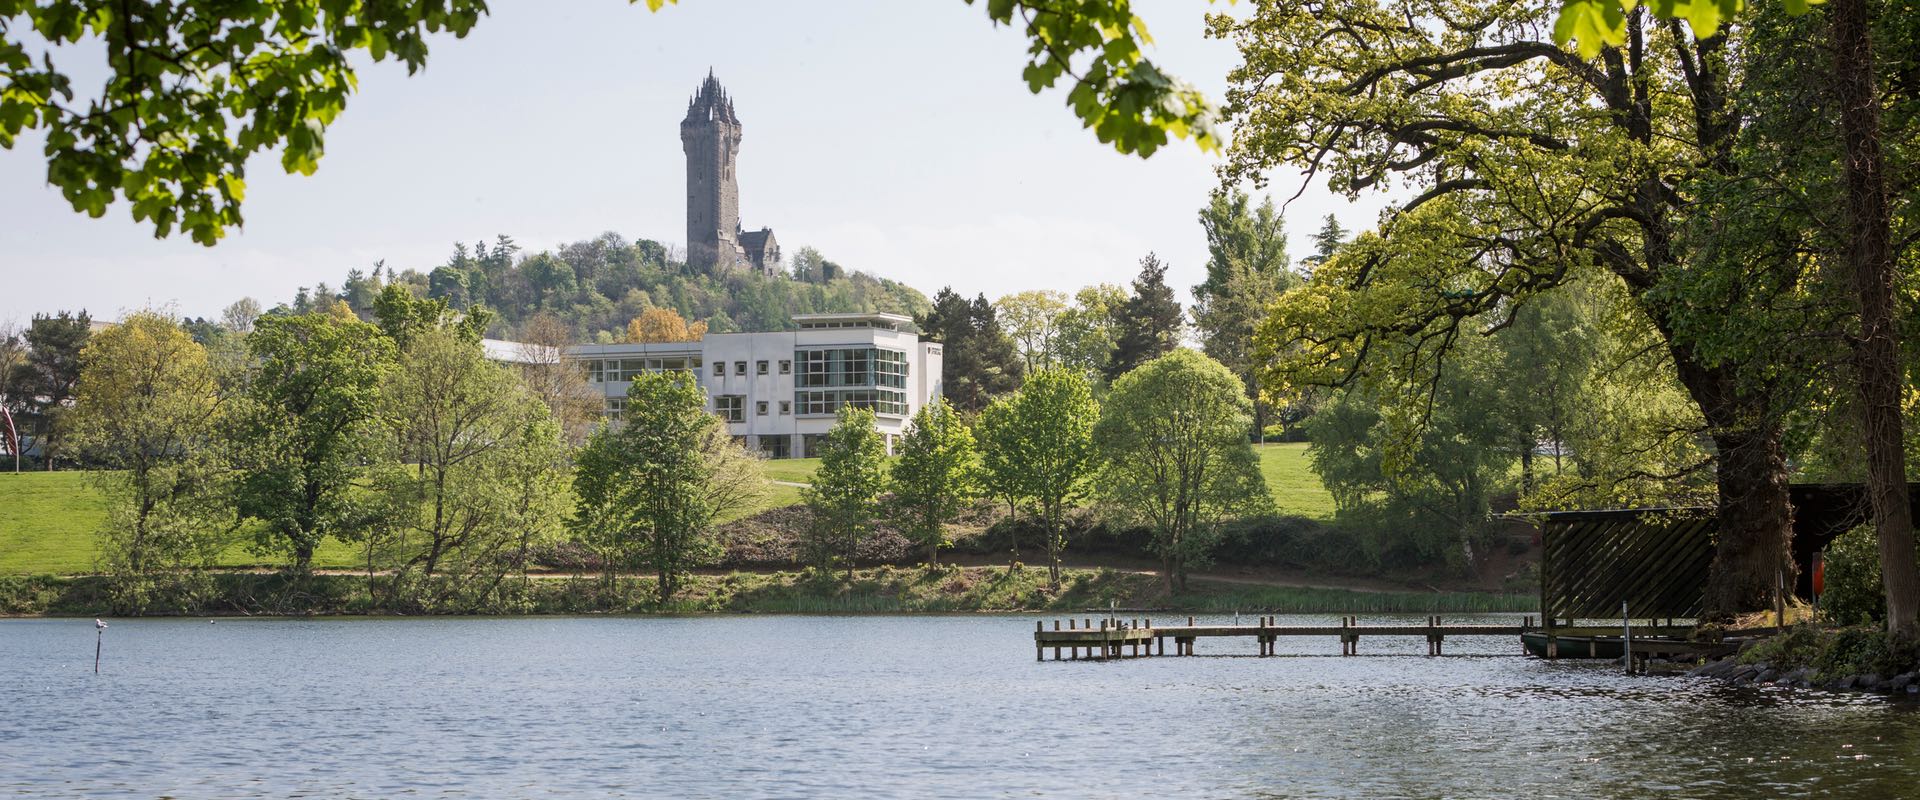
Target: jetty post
x,y
99,636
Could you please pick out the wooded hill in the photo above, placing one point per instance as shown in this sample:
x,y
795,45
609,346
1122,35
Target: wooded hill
x,y
596,286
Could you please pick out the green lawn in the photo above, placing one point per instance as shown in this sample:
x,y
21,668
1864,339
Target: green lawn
x,y
49,522
795,470
1290,478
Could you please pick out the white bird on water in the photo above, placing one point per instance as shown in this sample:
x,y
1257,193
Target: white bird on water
x,y
97,624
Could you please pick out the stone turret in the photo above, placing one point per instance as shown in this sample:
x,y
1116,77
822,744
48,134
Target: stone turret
x,y
710,135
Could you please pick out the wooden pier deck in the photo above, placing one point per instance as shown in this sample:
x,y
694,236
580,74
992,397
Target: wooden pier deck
x,y
1102,639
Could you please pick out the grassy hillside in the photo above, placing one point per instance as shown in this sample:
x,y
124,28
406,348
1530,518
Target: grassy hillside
x,y
1296,490
48,520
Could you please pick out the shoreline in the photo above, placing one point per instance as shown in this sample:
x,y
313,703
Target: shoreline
x,y
879,590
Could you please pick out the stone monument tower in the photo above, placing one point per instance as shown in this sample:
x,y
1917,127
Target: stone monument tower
x,y
710,135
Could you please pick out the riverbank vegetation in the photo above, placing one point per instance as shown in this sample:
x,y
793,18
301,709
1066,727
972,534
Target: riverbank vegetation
x,y
867,590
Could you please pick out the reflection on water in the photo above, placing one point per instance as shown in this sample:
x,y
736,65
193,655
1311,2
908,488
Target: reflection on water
x,y
883,706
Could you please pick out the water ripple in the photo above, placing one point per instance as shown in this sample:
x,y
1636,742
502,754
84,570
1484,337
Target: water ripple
x,y
882,707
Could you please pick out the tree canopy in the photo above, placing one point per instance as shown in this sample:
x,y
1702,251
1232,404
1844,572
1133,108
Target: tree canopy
x,y
1174,455
1520,189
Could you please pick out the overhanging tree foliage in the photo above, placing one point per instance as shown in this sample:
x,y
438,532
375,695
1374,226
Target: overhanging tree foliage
x,y
1531,167
195,88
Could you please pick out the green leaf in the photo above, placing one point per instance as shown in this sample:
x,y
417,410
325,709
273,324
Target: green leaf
x,y
1704,18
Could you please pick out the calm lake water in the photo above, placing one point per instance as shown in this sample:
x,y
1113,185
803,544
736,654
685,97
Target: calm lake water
x,y
882,707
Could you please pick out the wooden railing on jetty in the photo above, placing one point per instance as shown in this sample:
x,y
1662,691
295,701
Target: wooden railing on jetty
x,y
1133,638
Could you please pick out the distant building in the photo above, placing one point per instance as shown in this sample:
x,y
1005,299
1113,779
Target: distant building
x,y
710,135
779,390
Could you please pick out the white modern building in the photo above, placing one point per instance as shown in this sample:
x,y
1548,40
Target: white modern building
x,y
779,391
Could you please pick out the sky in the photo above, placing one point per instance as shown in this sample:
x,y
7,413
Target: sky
x,y
896,136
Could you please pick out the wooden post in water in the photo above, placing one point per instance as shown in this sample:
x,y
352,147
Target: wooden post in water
x,y
1626,636
99,636
1039,650
1780,599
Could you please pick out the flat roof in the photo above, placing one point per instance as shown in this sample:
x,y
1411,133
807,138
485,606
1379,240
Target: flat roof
x,y
855,315
632,348
513,352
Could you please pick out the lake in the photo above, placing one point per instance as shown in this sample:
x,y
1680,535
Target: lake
x,y
884,706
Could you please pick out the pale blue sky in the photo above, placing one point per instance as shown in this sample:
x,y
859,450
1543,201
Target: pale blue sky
x,y
894,135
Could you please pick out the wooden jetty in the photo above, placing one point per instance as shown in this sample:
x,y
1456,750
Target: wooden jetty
x,y
1131,638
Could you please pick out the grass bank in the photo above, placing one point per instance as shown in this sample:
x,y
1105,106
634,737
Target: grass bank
x,y
877,590
49,521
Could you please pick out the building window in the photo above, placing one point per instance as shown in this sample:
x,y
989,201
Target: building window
x,y
731,407
719,369
786,367
739,367
853,366
760,408
760,367
621,370
828,403
786,407
616,407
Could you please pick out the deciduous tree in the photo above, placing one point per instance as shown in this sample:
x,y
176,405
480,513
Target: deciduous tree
x,y
663,325
559,382
1089,330
936,476
1519,188
310,427
1033,319
147,412
844,497
1246,269
1047,451
651,488
464,427
1175,457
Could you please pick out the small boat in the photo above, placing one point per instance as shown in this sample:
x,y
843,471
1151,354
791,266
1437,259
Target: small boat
x,y
1574,646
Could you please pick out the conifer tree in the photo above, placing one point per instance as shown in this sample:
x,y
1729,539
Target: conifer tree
x,y
1150,322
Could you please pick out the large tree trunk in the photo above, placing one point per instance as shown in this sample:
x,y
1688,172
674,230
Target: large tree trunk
x,y
1753,550
1753,557
1869,253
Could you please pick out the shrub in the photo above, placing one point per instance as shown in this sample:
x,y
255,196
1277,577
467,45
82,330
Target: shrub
x,y
1853,593
1798,646
1863,651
